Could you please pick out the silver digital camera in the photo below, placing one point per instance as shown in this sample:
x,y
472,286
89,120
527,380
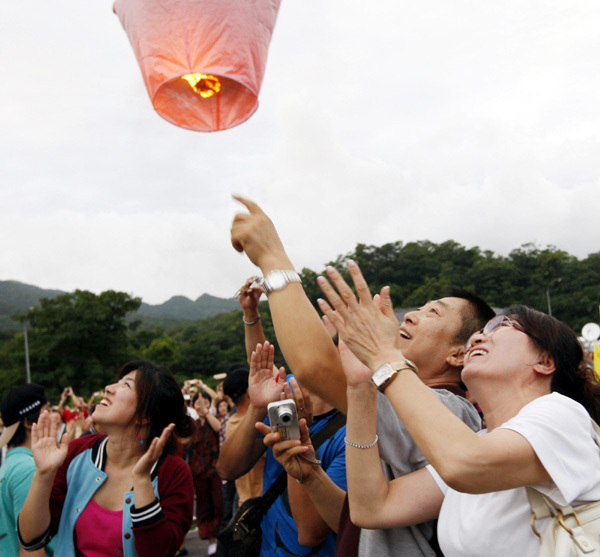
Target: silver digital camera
x,y
283,418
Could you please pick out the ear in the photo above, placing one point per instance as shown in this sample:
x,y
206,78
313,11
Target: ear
x,y
545,364
456,355
144,421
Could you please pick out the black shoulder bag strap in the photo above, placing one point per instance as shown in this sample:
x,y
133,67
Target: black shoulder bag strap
x,y
279,485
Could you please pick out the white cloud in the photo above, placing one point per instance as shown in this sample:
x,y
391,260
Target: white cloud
x,y
390,121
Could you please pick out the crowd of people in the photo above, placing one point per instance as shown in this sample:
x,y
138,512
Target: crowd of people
x,y
421,437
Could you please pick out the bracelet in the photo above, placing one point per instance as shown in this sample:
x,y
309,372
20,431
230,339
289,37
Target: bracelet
x,y
251,322
359,446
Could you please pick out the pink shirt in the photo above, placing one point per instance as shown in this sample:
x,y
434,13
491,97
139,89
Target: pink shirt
x,y
98,532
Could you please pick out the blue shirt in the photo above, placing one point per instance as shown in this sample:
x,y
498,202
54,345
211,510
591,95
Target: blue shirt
x,y
280,535
16,474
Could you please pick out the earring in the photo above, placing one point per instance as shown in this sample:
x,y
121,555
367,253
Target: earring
x,y
139,436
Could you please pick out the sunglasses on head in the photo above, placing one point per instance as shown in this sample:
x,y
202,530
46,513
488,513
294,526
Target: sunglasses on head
x,y
494,324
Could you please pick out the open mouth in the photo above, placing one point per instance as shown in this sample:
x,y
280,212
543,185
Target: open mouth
x,y
404,334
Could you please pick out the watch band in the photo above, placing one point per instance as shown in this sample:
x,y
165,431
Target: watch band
x,y
277,280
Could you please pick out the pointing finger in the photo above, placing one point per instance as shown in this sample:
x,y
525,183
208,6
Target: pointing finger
x,y
250,205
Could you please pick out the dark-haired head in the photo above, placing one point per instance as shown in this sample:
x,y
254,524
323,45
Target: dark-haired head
x,y
159,401
571,377
202,394
475,315
222,406
235,384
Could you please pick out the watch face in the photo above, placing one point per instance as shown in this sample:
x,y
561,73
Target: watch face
x,y
381,374
277,281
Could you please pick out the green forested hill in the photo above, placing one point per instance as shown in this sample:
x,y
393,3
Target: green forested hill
x,y
17,298
80,339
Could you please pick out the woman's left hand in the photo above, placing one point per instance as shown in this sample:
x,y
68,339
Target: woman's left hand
x,y
146,462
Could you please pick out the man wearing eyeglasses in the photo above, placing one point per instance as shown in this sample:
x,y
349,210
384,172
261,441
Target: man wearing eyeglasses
x,y
432,337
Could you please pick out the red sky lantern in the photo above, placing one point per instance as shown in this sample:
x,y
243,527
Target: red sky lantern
x,y
202,61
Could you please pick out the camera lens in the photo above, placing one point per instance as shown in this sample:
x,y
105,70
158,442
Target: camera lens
x,y
285,414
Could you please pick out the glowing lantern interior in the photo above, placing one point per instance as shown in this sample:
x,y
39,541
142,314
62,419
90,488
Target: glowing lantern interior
x,y
205,85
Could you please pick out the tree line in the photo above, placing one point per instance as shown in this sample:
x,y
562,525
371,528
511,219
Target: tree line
x,y
81,339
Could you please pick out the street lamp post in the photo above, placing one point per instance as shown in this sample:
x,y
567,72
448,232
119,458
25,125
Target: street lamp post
x,y
548,294
27,369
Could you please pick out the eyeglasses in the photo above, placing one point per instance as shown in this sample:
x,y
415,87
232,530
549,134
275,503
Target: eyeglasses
x,y
493,325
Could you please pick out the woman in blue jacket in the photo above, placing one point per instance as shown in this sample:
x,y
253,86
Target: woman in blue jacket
x,y
123,493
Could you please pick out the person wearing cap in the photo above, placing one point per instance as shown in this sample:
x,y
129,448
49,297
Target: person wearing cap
x,y
20,408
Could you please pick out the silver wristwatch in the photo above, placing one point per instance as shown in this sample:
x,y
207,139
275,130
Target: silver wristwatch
x,y
276,280
384,374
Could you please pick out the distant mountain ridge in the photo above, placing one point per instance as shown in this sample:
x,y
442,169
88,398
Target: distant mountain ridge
x,y
17,297
181,307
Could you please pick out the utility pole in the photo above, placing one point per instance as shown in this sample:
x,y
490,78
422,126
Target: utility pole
x,y
27,369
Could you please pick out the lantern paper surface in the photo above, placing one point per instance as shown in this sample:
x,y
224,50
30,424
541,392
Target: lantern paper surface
x,y
202,61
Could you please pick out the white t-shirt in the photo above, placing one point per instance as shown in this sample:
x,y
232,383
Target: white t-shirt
x,y
498,524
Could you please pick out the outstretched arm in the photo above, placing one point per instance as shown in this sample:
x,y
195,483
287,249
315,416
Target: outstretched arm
x,y
253,331
210,392
304,342
241,449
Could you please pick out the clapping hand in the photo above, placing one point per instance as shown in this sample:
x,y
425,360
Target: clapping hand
x,y
146,462
356,372
48,454
368,328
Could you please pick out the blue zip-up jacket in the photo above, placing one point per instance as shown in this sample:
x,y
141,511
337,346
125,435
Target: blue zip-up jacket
x,y
156,529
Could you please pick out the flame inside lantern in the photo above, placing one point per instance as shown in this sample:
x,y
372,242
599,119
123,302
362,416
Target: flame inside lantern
x,y
205,85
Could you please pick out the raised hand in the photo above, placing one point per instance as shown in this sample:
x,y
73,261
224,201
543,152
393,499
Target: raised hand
x,y
254,233
249,297
265,382
369,329
48,454
294,455
356,372
144,465
294,391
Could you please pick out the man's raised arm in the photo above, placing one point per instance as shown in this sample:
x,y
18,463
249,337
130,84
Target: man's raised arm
x,y
303,340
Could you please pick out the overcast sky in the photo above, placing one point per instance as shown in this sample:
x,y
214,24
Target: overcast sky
x,y
384,121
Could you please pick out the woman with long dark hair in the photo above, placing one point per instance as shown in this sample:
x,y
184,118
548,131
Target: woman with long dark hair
x,y
123,493
525,370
